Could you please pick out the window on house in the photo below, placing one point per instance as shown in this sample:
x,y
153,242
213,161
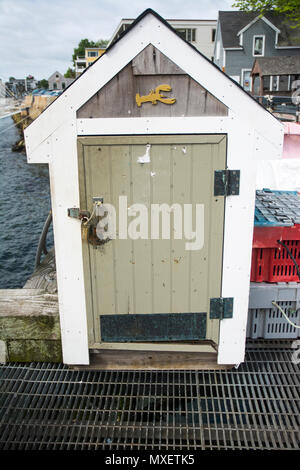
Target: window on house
x,y
213,35
187,33
54,86
274,83
92,53
63,85
293,79
283,82
258,45
246,79
266,83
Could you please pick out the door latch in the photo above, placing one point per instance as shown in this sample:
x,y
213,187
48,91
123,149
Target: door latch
x,y
85,216
77,213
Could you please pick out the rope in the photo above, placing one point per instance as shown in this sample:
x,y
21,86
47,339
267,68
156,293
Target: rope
x,y
96,204
285,316
9,127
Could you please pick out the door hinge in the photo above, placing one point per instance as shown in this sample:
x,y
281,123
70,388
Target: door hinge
x,y
227,183
77,213
221,307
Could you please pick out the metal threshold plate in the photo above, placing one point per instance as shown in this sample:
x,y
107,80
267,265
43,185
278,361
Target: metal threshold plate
x,y
153,327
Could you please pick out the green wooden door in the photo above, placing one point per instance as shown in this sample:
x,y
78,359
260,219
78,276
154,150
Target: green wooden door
x,y
144,277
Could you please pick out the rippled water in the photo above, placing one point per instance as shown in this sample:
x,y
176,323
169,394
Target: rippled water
x,y
24,205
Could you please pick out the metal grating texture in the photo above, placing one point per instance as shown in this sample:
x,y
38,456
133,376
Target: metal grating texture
x,y
257,406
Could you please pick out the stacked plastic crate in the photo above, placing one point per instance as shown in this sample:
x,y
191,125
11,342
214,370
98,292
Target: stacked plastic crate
x,y
275,272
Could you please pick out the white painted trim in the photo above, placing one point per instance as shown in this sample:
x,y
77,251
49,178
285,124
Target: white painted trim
x,y
263,48
148,31
236,78
241,39
178,125
63,170
252,134
218,49
224,58
272,81
254,21
155,125
233,48
287,47
218,33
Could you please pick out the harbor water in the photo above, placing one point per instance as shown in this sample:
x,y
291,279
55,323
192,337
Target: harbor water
x,y
24,206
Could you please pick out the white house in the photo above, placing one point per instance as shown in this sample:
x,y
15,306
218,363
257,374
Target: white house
x,y
200,33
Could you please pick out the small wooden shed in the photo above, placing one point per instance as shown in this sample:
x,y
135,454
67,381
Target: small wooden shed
x,y
155,122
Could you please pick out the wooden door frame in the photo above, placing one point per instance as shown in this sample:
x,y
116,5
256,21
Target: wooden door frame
x,y
201,346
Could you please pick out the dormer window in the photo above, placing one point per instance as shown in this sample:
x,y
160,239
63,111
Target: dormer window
x,y
258,46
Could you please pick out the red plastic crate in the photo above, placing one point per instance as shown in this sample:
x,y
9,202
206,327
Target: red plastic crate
x,y
270,261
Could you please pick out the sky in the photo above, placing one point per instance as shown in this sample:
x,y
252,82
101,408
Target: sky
x,y
37,37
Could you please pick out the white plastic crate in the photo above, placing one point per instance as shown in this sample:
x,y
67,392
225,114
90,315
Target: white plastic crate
x,y
264,319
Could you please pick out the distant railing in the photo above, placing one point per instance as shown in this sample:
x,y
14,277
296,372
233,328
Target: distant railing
x,y
279,104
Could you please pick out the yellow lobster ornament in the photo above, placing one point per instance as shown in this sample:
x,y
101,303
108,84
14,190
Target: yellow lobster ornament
x,y
155,96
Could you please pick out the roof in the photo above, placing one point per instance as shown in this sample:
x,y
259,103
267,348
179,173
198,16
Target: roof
x,y
174,19
285,65
232,22
55,73
184,54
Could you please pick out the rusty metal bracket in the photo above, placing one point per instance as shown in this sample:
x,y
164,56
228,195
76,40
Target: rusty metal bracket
x,y
77,213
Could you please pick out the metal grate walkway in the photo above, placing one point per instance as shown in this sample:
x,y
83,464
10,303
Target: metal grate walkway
x,y
48,406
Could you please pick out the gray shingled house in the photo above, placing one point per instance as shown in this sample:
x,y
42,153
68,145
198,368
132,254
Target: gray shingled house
x,y
242,37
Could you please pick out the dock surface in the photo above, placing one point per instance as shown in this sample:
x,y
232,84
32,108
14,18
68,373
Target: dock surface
x,y
257,406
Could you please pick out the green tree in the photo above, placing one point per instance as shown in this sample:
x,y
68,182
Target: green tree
x,y
79,51
291,8
70,73
43,84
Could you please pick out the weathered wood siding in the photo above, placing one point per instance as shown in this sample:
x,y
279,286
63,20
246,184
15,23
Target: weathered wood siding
x,y
145,72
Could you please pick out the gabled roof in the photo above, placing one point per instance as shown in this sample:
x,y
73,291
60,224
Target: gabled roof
x,y
153,29
285,65
233,22
54,74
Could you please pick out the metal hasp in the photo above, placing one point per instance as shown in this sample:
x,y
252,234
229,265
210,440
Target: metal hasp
x,y
221,307
76,213
227,183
